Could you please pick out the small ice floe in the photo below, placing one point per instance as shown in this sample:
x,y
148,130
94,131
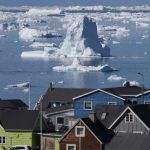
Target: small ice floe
x,y
76,66
131,83
42,45
60,82
48,52
20,85
121,32
142,25
2,36
114,78
27,34
9,26
145,36
145,53
26,90
115,42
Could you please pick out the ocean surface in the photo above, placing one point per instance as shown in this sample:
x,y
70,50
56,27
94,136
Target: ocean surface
x,y
126,33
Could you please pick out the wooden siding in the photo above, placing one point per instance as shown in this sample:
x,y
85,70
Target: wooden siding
x,y
89,142
96,98
135,127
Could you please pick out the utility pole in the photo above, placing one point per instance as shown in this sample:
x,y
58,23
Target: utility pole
x,y
139,73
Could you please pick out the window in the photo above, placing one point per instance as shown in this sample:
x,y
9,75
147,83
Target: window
x,y
112,103
146,102
103,117
71,147
88,105
80,131
2,139
60,120
129,118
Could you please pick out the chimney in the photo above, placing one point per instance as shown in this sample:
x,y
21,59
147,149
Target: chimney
x,y
92,117
51,86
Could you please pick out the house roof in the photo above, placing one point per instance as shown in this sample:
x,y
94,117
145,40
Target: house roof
x,y
23,120
12,104
62,95
103,134
111,113
60,109
141,112
127,91
129,141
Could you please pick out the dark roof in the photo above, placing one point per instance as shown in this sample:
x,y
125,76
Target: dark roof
x,y
62,95
111,112
128,90
103,134
12,104
143,112
129,141
23,120
59,109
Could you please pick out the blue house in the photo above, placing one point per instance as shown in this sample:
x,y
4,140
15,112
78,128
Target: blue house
x,y
87,102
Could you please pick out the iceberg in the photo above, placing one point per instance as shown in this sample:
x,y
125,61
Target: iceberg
x,y
20,85
131,83
27,34
42,45
77,67
43,12
114,78
82,40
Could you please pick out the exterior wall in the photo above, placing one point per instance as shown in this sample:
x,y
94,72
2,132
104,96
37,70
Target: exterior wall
x,y
96,98
17,138
89,142
135,127
50,142
141,99
69,120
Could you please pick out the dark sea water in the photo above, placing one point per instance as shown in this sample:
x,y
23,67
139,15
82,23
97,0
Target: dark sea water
x,y
130,56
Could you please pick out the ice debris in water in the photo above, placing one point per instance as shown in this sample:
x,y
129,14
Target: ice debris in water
x,y
27,34
42,45
114,78
82,40
76,66
131,83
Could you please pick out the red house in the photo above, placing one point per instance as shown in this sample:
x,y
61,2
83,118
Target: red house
x,y
86,134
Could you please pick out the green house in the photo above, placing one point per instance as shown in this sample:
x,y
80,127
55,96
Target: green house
x,y
19,127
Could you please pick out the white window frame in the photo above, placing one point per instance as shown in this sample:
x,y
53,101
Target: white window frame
x,y
71,145
147,102
129,121
112,103
87,108
57,120
81,135
2,138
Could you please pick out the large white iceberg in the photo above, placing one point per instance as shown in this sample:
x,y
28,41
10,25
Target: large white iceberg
x,y
76,66
32,34
82,40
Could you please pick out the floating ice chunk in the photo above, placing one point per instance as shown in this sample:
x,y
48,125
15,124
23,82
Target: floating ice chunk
x,y
20,85
115,42
76,66
9,26
121,32
48,52
31,34
142,25
60,82
82,40
2,36
42,45
131,83
115,78
26,90
44,12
